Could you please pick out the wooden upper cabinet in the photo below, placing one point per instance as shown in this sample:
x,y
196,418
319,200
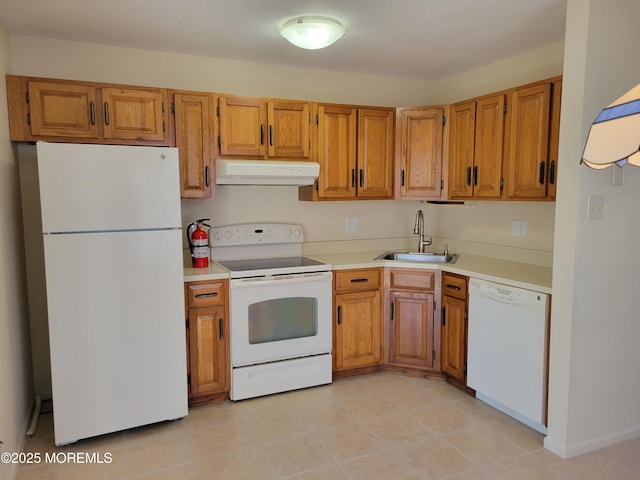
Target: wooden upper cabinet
x,y
337,138
461,149
419,152
488,147
375,153
476,148
62,109
256,127
355,148
134,114
528,142
554,138
242,126
193,117
86,112
288,129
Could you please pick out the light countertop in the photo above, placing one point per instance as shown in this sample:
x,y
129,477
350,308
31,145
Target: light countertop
x,y
522,275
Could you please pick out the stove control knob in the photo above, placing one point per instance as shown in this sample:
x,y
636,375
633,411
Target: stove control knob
x,y
297,232
288,232
217,236
227,234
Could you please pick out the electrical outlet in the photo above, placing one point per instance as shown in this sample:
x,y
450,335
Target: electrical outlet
x,y
518,228
351,224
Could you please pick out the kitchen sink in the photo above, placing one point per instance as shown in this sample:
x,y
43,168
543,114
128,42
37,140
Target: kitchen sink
x,y
425,257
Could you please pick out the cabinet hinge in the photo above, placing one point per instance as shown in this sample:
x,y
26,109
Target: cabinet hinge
x,y
504,108
501,183
27,95
173,107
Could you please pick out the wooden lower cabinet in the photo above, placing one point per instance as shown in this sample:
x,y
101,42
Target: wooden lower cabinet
x,y
357,321
412,336
207,341
454,328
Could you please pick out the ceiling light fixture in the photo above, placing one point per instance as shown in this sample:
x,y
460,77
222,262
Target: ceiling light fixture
x,y
312,32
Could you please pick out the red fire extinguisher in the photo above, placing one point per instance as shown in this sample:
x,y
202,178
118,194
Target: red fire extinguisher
x,y
198,243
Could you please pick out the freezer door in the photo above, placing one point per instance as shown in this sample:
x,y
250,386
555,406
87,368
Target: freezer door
x,y
107,187
117,331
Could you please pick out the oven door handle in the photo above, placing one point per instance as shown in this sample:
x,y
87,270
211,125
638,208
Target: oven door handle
x,y
281,280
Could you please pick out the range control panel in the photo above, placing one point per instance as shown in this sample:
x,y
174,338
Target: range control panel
x,y
255,234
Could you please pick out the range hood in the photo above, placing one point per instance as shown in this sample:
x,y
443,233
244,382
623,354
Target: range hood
x,y
265,172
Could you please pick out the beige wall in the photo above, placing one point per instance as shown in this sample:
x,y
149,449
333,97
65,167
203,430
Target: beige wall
x,y
15,364
594,385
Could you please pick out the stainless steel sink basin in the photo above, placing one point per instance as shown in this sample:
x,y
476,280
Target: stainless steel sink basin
x,y
418,257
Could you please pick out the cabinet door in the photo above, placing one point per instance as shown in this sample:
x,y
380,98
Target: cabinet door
x,y
411,331
461,150
62,109
421,152
132,114
358,321
337,151
554,138
528,143
207,350
375,153
193,122
242,126
288,129
453,337
488,150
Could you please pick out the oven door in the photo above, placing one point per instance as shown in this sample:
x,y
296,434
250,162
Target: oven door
x,y
280,317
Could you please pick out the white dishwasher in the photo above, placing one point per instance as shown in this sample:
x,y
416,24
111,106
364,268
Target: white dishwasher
x,y
507,350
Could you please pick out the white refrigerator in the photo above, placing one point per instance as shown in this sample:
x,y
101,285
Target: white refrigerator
x,y
104,259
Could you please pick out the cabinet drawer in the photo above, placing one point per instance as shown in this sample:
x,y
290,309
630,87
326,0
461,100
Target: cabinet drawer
x,y
454,285
412,279
358,280
205,294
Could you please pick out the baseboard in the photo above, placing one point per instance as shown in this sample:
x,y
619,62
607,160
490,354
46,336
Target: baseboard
x,y
565,451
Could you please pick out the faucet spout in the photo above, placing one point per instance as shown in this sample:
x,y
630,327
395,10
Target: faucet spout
x,y
418,229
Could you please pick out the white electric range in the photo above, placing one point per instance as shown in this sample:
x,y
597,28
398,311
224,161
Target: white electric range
x,y
280,309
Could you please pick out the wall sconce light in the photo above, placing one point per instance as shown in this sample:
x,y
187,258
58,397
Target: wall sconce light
x,y
614,137
312,32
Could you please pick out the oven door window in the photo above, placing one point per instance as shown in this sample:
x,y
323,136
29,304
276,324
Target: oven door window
x,y
283,319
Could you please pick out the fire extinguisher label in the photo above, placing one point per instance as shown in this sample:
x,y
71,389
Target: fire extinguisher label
x,y
200,248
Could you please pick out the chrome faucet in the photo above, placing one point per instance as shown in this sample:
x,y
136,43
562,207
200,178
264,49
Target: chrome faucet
x,y
418,229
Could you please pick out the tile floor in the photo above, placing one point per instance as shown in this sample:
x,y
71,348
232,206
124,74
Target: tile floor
x,y
379,426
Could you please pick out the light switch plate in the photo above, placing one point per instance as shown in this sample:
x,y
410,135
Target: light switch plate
x,y
518,228
595,207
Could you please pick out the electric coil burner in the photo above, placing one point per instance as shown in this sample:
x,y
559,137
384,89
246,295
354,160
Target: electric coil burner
x,y
280,309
